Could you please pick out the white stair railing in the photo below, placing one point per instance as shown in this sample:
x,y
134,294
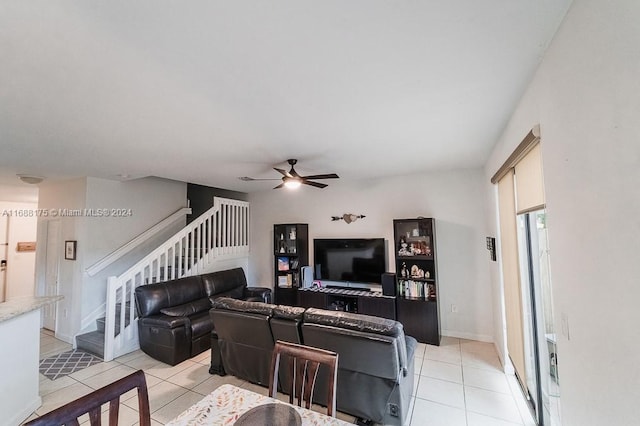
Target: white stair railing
x,y
222,232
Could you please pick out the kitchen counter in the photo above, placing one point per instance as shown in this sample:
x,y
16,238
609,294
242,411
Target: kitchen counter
x,y
20,321
21,305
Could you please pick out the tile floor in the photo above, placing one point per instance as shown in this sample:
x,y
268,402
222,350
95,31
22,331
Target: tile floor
x,y
457,383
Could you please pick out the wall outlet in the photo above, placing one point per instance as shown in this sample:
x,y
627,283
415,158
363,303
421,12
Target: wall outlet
x,y
454,308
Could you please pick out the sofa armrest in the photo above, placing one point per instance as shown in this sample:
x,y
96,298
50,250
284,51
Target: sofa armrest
x,y
257,294
164,321
410,349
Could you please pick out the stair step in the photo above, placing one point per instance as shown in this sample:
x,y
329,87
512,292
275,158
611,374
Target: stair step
x,y
92,342
101,321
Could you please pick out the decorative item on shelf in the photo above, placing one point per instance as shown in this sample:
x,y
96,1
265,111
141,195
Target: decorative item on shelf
x,y
348,217
427,274
416,272
292,234
404,272
415,232
283,264
282,281
404,248
283,247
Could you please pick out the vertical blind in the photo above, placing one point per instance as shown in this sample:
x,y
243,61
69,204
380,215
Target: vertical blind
x,y
520,190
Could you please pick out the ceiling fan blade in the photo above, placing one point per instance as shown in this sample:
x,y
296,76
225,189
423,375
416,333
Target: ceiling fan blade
x,y
283,172
316,184
279,186
250,179
327,176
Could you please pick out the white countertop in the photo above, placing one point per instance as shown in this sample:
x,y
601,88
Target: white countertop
x,y
21,305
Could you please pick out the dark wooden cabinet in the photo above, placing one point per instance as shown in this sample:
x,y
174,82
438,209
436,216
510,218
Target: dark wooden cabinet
x,y
417,278
312,299
345,300
384,307
291,253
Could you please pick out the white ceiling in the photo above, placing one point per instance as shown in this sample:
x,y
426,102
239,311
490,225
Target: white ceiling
x,y
207,91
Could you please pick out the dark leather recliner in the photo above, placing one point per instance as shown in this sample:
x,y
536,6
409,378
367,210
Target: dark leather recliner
x,y
375,366
173,317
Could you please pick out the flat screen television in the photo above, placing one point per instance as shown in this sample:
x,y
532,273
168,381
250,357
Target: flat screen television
x,y
349,260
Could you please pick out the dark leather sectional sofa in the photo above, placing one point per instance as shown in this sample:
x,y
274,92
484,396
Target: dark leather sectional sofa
x,y
375,365
173,316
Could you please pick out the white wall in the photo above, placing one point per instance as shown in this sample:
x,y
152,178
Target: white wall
x,y
586,98
69,194
20,275
150,200
455,199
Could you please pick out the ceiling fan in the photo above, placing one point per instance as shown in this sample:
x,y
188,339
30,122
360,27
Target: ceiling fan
x,y
291,179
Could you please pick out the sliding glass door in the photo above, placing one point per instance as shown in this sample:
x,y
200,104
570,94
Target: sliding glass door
x,y
542,384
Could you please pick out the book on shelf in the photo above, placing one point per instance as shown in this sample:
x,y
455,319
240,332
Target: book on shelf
x,y
282,281
283,263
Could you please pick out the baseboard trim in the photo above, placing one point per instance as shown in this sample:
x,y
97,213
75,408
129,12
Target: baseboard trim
x,y
469,336
26,412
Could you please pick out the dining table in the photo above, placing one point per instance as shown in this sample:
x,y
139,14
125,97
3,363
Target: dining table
x,y
233,405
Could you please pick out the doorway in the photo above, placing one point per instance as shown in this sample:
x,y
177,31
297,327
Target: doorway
x,y
541,361
52,264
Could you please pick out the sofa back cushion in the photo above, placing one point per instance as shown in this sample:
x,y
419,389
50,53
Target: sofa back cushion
x,y
228,283
366,344
151,298
229,304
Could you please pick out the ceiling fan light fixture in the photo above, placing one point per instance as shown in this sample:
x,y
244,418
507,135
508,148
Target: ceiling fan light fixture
x,y
32,180
292,183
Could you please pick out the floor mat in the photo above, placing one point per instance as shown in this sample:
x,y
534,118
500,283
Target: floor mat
x,y
66,363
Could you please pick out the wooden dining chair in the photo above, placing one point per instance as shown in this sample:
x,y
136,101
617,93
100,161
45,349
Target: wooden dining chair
x,y
303,365
91,404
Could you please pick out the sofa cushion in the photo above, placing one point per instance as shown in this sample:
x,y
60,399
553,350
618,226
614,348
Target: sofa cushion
x,y
288,312
187,309
229,304
357,322
151,298
230,283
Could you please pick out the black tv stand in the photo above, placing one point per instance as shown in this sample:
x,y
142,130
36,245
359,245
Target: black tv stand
x,y
361,301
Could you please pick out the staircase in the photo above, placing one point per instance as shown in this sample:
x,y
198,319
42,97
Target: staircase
x,y
220,233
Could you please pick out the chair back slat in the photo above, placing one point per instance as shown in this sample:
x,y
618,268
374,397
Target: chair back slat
x,y
91,404
304,363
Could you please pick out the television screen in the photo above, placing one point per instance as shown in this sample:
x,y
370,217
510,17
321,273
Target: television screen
x,y
353,260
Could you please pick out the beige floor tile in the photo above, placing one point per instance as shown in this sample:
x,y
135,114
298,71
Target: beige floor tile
x,y
151,381
191,376
62,396
444,354
174,408
106,377
475,419
101,367
492,404
47,385
485,360
203,358
441,391
442,370
449,341
486,379
434,414
159,396
130,356
215,381
144,362
164,371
